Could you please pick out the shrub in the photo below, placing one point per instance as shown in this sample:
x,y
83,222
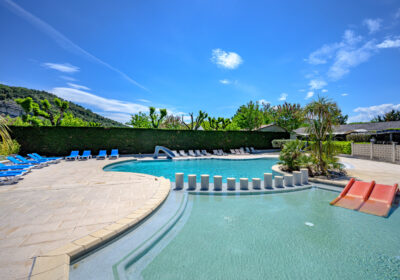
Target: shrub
x,y
359,137
279,143
343,147
292,156
13,148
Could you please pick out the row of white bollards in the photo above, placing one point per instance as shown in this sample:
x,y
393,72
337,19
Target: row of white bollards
x,y
295,179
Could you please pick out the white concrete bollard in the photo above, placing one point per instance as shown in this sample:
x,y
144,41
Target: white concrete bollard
x,y
244,183
297,178
304,176
178,181
205,182
217,183
256,182
192,182
278,180
268,180
288,180
231,184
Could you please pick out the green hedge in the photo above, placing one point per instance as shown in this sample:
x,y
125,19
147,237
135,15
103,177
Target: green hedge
x,y
344,147
61,140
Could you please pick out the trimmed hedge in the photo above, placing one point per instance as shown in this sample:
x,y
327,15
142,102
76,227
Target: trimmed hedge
x,y
59,141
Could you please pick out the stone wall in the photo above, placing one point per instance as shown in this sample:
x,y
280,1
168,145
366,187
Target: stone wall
x,y
384,152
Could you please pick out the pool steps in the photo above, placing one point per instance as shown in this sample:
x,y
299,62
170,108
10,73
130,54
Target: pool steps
x,y
298,178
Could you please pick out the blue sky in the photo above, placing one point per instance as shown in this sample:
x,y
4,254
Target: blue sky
x,y
119,57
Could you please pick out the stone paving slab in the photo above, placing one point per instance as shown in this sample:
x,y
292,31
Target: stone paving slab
x,y
61,203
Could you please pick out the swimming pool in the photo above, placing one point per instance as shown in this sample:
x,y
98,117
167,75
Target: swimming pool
x,y
294,235
246,168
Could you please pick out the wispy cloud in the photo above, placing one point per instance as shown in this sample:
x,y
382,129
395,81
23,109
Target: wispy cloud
x,y
389,43
283,97
324,90
98,102
228,60
309,94
263,101
78,86
397,15
317,84
63,41
344,94
144,100
367,113
225,81
62,67
67,78
373,25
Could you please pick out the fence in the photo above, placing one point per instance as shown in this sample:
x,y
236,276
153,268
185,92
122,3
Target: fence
x,y
384,152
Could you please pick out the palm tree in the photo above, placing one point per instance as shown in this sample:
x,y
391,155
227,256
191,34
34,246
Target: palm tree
x,y
321,116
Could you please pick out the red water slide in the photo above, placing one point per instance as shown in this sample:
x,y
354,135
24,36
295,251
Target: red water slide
x,y
367,197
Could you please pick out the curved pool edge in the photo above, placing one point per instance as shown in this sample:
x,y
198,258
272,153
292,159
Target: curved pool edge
x,y
55,264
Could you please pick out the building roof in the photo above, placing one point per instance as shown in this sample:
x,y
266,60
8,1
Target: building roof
x,y
358,128
271,127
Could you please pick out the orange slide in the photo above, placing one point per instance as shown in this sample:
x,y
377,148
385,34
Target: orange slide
x,y
366,197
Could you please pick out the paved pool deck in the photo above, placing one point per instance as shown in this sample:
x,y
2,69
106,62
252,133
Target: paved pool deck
x,y
61,203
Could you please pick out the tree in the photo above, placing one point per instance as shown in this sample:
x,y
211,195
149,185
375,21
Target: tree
x,y
321,116
33,110
249,116
156,119
140,120
172,122
195,124
219,123
6,141
342,119
289,116
393,115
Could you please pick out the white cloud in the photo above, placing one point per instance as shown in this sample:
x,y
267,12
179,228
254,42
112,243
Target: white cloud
x,y
67,78
309,94
367,113
283,97
347,58
373,25
263,101
322,55
324,90
229,60
225,81
397,15
98,102
317,84
63,41
389,43
78,86
144,100
344,94
62,67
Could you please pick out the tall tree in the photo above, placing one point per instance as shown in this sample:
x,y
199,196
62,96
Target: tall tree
x,y
140,120
156,119
289,116
393,115
249,116
321,116
195,123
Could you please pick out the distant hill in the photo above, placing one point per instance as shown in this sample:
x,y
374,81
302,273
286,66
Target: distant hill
x,y
9,107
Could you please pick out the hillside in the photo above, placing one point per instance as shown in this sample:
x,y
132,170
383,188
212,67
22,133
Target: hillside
x,y
8,106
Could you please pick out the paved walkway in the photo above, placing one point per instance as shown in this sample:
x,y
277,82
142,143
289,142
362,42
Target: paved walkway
x,y
368,170
60,203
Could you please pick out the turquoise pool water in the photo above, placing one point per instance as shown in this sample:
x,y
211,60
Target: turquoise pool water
x,y
248,168
294,235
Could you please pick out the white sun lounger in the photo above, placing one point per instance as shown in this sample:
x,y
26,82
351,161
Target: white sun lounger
x,y
215,153
232,151
204,152
197,153
182,153
221,152
176,153
191,153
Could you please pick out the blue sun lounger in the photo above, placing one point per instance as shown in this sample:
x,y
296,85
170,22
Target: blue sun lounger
x,y
18,162
39,157
102,154
10,177
73,156
87,154
114,154
4,167
32,157
25,161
